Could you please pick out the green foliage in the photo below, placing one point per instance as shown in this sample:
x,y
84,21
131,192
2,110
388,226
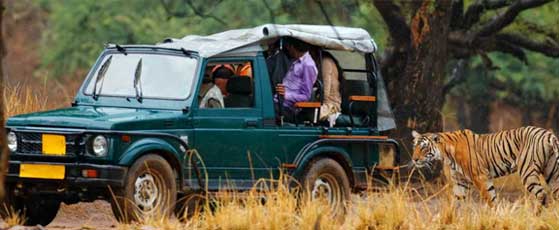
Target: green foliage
x,y
527,85
78,29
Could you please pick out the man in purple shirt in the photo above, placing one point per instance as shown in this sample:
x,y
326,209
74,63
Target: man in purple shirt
x,y
298,82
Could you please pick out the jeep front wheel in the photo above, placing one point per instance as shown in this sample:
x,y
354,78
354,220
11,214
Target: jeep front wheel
x,y
149,190
35,210
326,180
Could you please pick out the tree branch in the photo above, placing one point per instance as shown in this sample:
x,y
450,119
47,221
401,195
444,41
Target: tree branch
x,y
535,28
549,48
501,21
170,13
474,11
202,14
460,46
327,18
397,26
515,51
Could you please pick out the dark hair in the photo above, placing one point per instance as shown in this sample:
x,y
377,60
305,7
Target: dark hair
x,y
297,44
222,72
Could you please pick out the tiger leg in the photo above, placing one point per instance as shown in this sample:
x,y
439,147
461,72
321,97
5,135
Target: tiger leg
x,y
461,185
554,186
486,189
491,190
531,180
551,175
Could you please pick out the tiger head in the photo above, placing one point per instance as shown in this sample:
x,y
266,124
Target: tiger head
x,y
426,148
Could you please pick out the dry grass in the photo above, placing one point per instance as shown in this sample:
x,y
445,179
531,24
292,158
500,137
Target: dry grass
x,y
13,218
20,100
421,206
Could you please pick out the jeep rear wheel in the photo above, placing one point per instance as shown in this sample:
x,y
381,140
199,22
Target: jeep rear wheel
x,y
149,190
325,180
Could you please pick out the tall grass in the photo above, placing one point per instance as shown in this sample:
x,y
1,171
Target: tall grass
x,y
20,99
407,206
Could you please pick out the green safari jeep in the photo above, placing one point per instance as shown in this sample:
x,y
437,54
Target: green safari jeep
x,y
129,134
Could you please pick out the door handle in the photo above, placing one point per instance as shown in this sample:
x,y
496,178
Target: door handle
x,y
251,123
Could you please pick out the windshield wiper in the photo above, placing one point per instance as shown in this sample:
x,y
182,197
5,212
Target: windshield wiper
x,y
121,49
138,81
101,76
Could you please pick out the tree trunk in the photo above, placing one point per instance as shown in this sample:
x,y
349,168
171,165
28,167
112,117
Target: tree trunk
x,y
3,148
418,101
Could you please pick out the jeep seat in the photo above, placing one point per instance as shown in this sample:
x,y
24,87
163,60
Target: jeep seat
x,y
240,92
357,92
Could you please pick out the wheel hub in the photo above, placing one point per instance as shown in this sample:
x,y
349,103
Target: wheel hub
x,y
146,193
322,190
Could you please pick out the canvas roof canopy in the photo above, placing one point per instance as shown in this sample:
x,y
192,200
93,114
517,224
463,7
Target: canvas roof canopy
x,y
248,42
253,39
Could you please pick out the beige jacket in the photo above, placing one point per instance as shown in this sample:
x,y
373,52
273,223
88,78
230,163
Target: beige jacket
x,y
332,97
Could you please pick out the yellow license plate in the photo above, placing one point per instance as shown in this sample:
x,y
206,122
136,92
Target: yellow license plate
x,y
42,171
54,144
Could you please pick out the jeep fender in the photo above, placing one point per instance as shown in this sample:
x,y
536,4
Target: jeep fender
x,y
157,146
336,153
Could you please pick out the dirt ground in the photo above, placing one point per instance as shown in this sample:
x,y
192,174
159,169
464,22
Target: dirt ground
x,y
96,215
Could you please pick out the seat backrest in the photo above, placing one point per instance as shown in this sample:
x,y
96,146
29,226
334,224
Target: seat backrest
x,y
240,92
355,88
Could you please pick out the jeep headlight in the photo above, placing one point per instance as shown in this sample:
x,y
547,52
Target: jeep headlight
x,y
12,141
100,146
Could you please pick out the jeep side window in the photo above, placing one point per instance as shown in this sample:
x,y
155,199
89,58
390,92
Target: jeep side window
x,y
227,85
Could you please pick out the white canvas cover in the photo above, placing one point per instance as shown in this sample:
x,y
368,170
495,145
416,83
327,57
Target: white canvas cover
x,y
249,41
330,37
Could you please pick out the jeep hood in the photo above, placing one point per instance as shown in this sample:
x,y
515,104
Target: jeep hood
x,y
88,117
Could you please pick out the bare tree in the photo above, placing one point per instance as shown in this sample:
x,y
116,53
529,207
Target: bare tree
x,y
3,148
426,34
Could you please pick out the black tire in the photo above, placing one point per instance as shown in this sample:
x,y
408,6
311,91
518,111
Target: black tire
x,y
35,210
323,177
157,192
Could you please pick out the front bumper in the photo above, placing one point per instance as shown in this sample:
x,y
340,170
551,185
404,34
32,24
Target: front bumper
x,y
107,175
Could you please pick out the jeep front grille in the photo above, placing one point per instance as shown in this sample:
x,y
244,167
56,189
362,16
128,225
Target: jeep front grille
x,y
31,143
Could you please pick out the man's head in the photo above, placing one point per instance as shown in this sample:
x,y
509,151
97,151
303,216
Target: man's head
x,y
426,148
295,47
220,77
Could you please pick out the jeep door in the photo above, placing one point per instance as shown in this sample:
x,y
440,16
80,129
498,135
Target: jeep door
x,y
227,138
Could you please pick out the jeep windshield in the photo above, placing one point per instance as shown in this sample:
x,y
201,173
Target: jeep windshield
x,y
143,75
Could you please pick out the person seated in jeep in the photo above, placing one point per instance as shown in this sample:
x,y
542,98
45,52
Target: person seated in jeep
x,y
221,75
298,82
331,105
213,91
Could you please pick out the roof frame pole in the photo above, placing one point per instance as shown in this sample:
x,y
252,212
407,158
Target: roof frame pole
x,y
280,99
321,77
371,67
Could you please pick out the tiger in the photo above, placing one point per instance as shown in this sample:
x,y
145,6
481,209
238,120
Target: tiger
x,y
476,159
